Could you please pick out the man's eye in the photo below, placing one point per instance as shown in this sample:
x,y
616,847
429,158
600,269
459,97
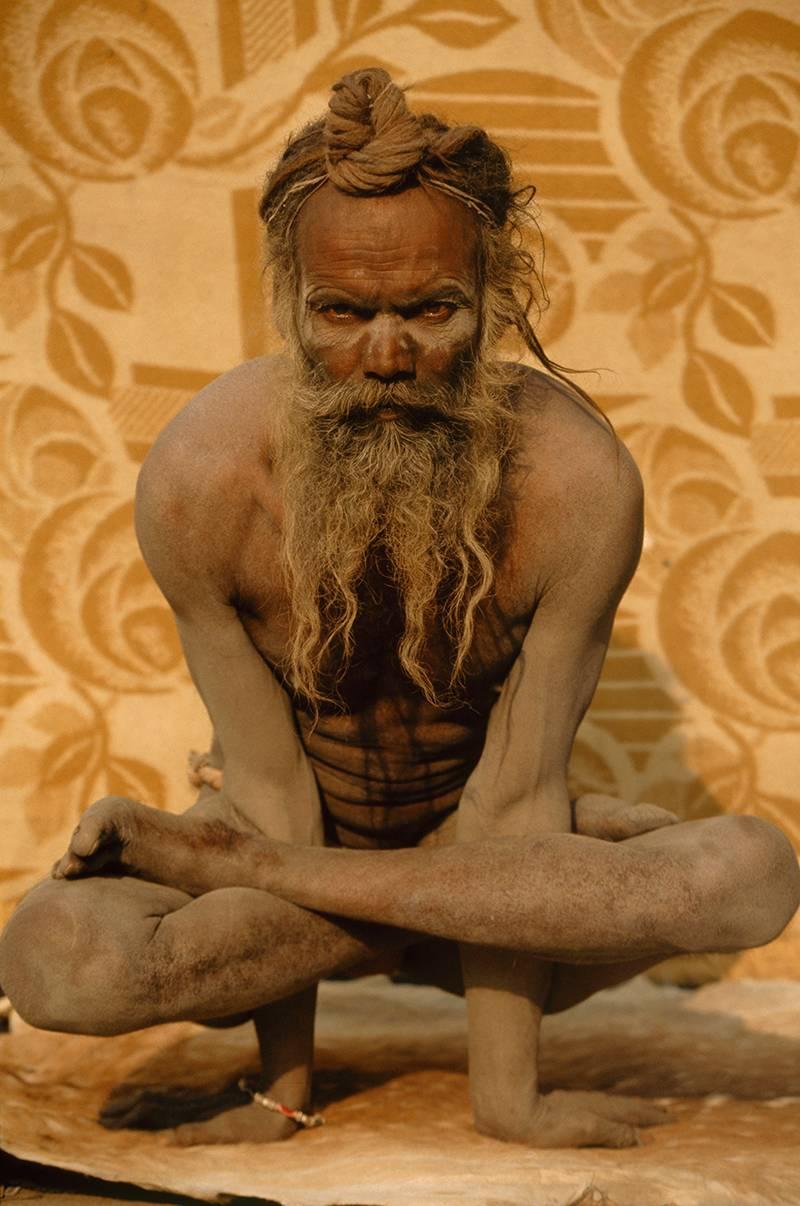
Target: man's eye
x,y
337,311
437,310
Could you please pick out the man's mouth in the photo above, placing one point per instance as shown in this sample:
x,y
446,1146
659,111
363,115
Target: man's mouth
x,y
417,417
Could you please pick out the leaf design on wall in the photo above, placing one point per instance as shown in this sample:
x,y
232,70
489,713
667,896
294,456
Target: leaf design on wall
x,y
653,335
459,23
67,769
351,14
742,314
17,675
718,392
31,242
59,781
78,353
617,292
69,756
101,276
669,283
135,779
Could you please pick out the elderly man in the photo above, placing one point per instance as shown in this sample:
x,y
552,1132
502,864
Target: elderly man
x,y
394,563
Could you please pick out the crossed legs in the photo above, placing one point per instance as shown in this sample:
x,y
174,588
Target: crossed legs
x,y
110,954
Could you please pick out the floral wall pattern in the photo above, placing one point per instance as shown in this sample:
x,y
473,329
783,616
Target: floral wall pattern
x,y
663,141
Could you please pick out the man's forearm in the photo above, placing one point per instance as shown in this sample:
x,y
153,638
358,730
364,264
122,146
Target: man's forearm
x,y
490,893
506,991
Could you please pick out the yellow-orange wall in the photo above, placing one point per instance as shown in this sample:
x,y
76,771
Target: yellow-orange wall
x,y
663,140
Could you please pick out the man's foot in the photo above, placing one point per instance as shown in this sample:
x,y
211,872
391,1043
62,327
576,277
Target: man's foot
x,y
223,1117
249,1123
576,1119
613,820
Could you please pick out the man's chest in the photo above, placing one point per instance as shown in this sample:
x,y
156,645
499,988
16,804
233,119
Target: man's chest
x,y
372,674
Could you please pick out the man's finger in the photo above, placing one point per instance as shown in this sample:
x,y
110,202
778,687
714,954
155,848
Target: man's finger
x,y
88,837
69,866
650,816
637,818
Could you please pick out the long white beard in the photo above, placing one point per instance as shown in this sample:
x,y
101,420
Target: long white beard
x,y
423,487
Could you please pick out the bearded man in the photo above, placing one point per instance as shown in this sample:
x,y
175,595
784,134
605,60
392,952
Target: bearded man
x,y
394,563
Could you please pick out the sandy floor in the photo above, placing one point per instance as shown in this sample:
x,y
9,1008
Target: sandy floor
x,y
393,1088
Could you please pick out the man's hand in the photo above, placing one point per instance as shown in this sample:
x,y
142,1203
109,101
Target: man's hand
x,y
117,835
613,820
577,1119
107,837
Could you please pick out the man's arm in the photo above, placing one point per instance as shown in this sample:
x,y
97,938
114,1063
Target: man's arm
x,y
520,784
267,779
189,544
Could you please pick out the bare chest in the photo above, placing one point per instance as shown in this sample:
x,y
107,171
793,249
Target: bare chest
x,y
389,765
373,681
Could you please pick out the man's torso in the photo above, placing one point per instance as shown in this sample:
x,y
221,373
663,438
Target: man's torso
x,y
389,765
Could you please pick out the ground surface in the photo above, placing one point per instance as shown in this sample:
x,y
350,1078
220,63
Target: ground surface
x,y
393,1088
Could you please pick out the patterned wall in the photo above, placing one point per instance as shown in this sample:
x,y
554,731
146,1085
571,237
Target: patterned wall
x,y
663,140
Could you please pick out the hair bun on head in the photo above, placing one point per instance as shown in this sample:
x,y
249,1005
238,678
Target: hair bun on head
x,y
372,139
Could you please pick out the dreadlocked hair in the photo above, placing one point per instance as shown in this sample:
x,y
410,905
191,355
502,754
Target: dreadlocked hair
x,y
370,143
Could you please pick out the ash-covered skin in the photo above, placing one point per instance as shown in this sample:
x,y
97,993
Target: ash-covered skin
x,y
454,806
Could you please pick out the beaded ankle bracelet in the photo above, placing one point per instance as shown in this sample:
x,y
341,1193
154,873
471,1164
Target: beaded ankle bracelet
x,y
277,1107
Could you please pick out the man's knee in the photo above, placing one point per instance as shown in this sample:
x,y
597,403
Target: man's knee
x,y
64,967
750,882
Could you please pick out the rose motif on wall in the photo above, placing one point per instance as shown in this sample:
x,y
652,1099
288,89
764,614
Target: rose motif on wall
x,y
91,604
729,618
100,88
52,447
692,488
700,769
711,112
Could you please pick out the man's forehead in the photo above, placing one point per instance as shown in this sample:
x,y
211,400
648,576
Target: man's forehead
x,y
419,233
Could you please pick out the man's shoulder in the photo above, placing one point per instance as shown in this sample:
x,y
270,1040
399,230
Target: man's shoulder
x,y
222,433
235,411
199,484
568,451
576,487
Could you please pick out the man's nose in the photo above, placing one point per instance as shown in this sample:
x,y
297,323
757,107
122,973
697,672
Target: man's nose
x,y
388,353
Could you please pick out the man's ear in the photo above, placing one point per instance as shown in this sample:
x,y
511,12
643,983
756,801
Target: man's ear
x,y
283,301
278,313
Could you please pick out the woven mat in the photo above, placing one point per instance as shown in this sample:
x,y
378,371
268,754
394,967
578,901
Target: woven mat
x,y
393,1088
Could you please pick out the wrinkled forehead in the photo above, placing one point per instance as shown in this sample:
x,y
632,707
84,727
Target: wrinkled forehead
x,y
409,238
